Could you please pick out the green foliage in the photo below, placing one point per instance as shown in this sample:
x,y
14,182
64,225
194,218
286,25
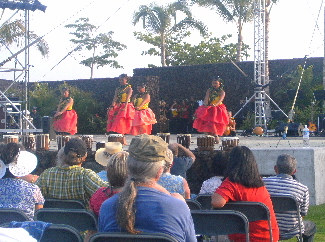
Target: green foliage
x,y
44,98
248,122
102,48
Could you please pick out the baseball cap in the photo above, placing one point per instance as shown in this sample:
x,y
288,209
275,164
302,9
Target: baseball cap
x,y
76,145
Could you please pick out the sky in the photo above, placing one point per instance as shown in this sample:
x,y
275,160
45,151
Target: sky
x,y
296,30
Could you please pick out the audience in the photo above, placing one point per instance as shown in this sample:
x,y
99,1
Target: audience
x,y
243,183
174,184
103,154
69,180
14,191
117,173
218,167
283,183
181,163
156,209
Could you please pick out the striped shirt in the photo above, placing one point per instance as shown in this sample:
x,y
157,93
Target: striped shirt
x,y
286,185
72,182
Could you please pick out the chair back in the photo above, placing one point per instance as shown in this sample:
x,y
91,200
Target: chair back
x,y
61,232
204,200
193,204
12,214
127,237
61,203
254,211
287,203
80,219
220,222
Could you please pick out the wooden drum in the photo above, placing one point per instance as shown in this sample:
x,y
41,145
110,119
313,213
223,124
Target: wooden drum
x,y
205,142
28,141
89,142
116,138
10,139
61,140
229,142
42,142
184,139
164,136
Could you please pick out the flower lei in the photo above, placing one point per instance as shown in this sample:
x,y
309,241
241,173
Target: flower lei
x,y
120,91
215,92
139,96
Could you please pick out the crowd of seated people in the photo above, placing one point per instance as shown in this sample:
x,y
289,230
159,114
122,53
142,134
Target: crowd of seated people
x,y
140,194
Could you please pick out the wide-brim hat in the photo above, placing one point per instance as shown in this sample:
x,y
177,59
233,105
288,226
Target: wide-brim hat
x,y
24,165
103,154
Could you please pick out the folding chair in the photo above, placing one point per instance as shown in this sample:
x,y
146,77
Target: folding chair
x,y
61,203
204,200
193,204
62,233
254,211
79,219
12,214
220,222
287,203
127,237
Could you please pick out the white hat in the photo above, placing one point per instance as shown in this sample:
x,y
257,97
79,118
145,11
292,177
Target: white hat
x,y
25,164
103,154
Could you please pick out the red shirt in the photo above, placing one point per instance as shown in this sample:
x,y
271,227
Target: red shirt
x,y
258,230
99,197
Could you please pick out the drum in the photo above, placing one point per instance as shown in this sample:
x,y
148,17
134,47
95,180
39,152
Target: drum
x,y
229,142
10,139
205,142
116,138
61,140
184,139
164,136
28,141
89,142
42,142
100,144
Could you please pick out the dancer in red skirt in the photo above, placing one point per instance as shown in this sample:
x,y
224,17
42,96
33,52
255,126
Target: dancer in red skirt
x,y
65,118
144,118
120,114
212,117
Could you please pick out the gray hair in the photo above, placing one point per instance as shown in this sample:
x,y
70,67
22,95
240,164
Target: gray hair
x,y
286,164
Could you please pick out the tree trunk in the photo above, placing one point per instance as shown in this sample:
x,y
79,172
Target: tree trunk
x,y
240,40
92,64
163,50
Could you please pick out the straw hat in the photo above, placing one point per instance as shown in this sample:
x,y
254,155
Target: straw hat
x,y
103,154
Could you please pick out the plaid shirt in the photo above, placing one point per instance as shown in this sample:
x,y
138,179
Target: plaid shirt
x,y
72,182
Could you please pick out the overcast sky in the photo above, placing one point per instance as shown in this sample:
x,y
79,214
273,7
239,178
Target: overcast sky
x,y
296,30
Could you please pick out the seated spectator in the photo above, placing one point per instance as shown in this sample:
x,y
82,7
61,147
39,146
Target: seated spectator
x,y
14,191
174,184
103,154
117,173
181,163
69,180
283,183
143,205
243,183
218,167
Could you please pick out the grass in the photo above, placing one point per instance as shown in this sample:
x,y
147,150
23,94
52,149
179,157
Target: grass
x,y
317,215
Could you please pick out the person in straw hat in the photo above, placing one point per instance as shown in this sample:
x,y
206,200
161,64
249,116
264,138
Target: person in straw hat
x,y
143,205
103,154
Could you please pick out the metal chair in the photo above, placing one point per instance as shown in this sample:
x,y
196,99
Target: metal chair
x,y
220,222
254,211
127,237
204,200
12,214
62,233
79,219
193,204
284,204
61,203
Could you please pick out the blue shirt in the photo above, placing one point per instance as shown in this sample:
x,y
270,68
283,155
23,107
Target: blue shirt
x,y
103,175
173,184
155,212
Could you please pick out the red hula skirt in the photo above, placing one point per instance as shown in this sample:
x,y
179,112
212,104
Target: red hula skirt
x,y
143,121
119,120
211,119
66,122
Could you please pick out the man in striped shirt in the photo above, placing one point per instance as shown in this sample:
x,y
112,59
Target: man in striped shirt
x,y
283,183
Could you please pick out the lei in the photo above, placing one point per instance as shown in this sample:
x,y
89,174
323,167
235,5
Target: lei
x,y
140,95
120,91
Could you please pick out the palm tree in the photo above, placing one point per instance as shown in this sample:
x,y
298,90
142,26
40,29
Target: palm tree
x,y
238,11
162,21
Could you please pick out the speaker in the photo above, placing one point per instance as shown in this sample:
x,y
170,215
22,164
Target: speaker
x,y
294,129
